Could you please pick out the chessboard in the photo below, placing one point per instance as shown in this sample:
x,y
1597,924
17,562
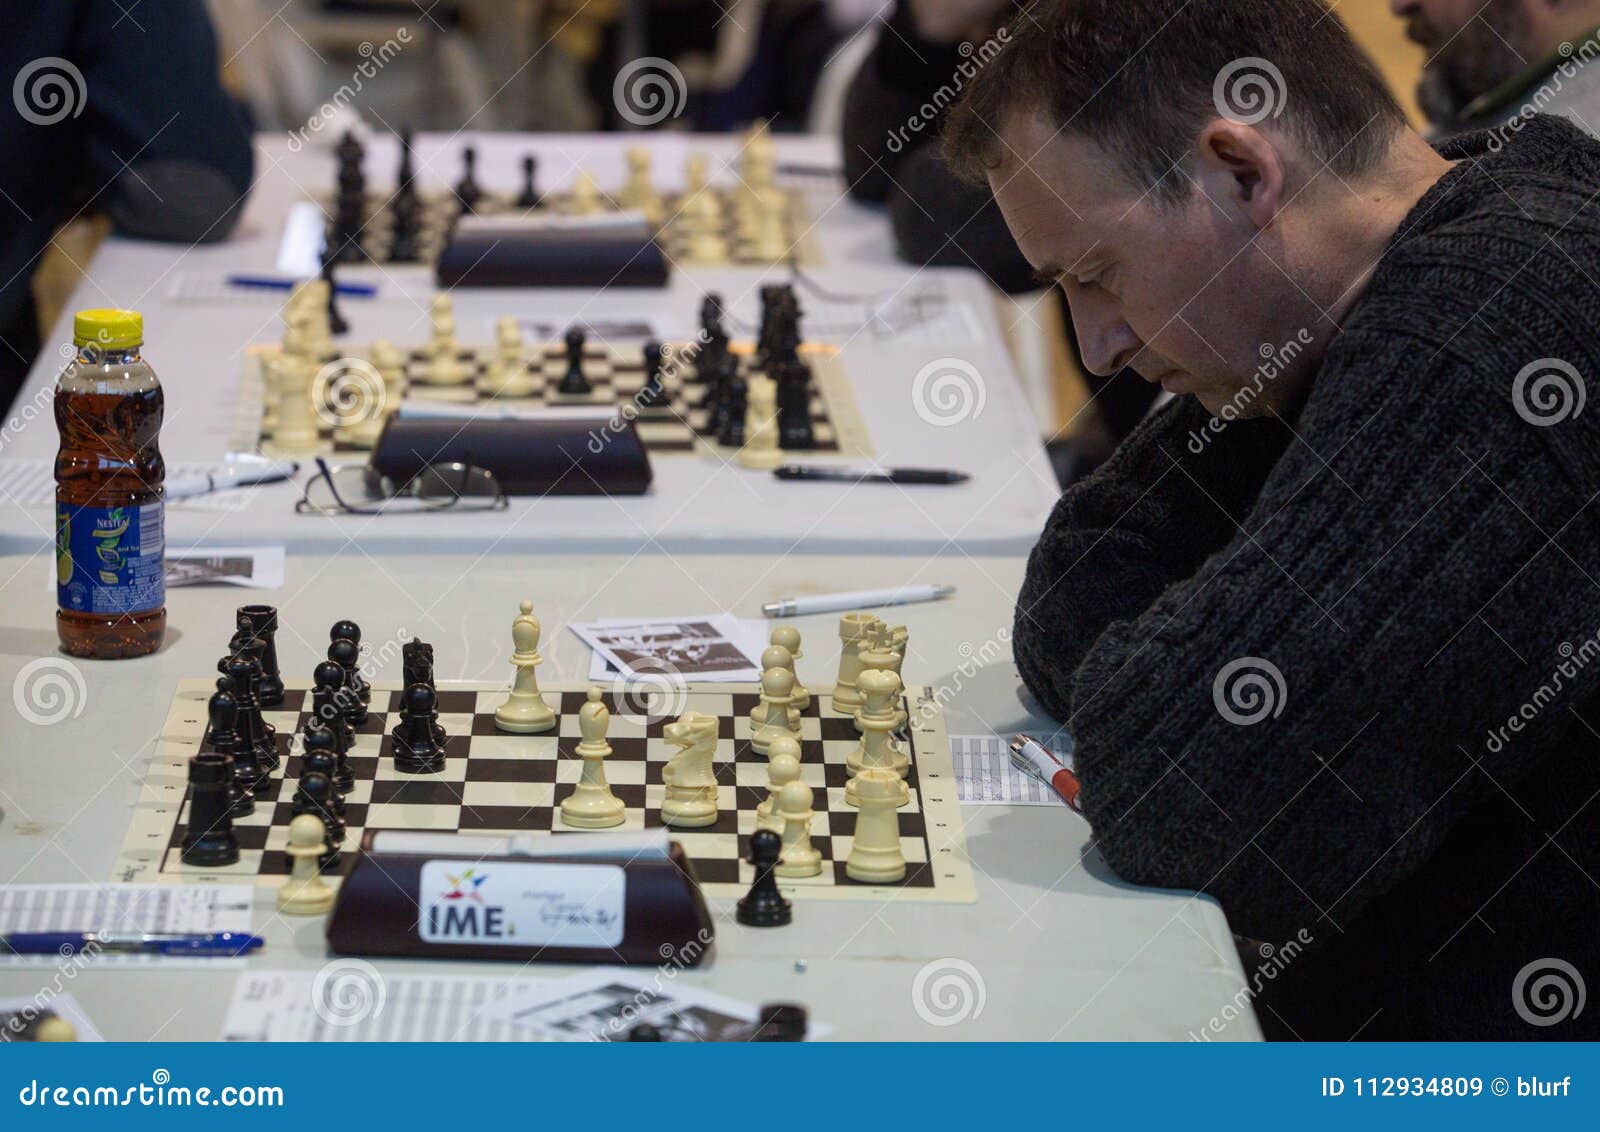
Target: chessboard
x,y
498,783
615,372
438,212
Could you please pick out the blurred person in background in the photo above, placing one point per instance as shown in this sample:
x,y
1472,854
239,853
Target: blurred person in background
x,y
926,51
116,112
1493,61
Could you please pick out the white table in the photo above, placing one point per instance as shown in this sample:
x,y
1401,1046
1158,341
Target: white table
x,y
197,348
1062,949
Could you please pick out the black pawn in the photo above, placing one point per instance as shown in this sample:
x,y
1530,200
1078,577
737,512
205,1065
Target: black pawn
x,y
210,842
780,1022
794,407
652,395
645,1032
263,626
531,197
317,757
336,321
222,713
735,403
330,701
416,746
315,796
345,655
350,631
320,738
573,382
468,192
764,906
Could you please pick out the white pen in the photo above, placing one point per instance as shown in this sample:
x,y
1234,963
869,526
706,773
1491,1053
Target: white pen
x,y
240,473
859,599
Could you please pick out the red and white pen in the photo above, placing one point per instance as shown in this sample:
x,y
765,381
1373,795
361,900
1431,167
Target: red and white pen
x,y
1035,760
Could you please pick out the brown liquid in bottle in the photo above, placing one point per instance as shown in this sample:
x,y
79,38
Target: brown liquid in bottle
x,y
109,457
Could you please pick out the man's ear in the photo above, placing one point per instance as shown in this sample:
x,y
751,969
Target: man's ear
x,y
1241,170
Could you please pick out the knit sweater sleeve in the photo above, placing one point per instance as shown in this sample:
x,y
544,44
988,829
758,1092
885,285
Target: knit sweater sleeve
x,y
1118,539
1295,728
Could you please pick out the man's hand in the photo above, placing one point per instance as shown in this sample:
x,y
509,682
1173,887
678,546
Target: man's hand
x,y
951,21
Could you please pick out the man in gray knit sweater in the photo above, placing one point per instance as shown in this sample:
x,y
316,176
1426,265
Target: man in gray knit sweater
x,y
1326,629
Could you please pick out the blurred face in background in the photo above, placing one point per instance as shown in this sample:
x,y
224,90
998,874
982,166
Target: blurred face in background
x,y
1473,46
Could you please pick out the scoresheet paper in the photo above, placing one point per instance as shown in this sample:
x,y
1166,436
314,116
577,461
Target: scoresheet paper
x,y
348,1000
710,648
123,908
603,1004
985,776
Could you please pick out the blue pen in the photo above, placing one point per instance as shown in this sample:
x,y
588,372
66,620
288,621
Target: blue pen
x,y
223,944
273,283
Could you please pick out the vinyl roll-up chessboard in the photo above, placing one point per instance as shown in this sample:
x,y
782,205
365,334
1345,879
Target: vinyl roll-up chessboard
x,y
616,374
498,783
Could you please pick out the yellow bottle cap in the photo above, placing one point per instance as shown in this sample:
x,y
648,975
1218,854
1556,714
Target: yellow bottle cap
x,y
108,329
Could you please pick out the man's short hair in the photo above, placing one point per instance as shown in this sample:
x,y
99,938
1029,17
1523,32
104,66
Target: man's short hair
x,y
1142,77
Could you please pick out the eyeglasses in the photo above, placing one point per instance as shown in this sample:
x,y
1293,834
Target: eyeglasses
x,y
358,489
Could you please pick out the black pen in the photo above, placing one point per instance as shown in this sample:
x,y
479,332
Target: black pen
x,y
822,473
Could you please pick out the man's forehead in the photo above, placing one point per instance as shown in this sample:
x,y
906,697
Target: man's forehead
x,y
1059,190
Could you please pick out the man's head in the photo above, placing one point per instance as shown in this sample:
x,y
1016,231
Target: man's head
x,y
1207,179
1475,45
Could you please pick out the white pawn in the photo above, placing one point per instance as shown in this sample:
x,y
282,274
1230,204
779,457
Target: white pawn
x,y
315,304
788,637
690,800
761,450
524,711
508,374
391,367
442,317
770,720
295,427
305,893
776,656
875,854
783,767
798,858
591,805
585,198
638,193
